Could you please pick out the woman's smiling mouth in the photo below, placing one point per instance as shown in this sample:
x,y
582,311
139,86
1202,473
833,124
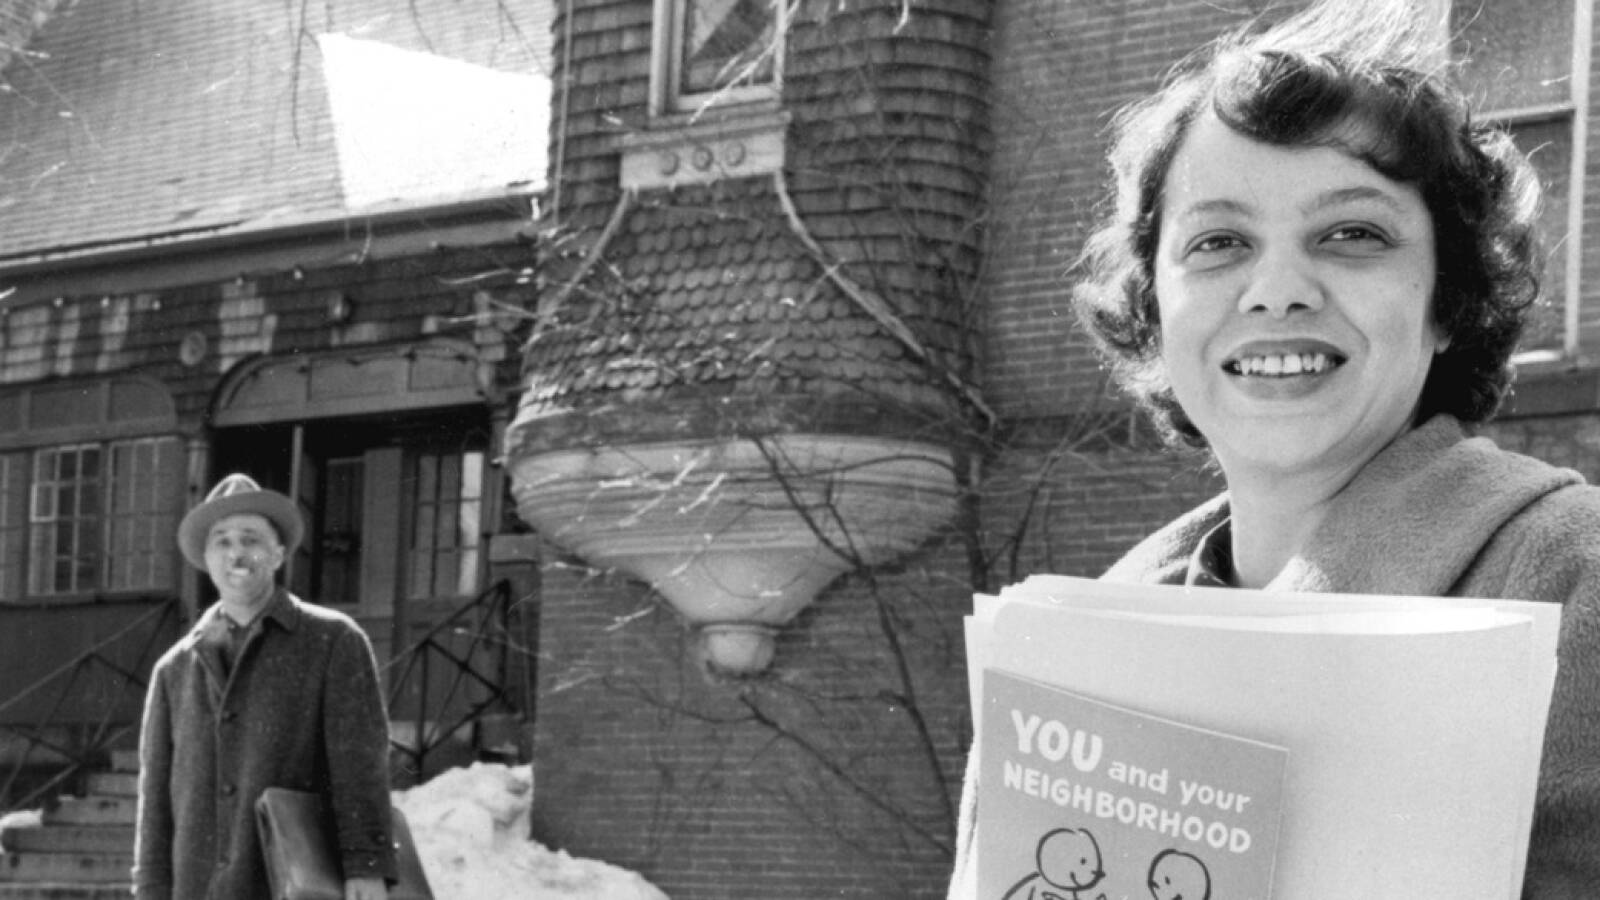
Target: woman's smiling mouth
x,y
1281,365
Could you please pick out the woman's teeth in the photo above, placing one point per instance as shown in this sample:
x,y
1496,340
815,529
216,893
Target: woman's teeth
x,y
1281,364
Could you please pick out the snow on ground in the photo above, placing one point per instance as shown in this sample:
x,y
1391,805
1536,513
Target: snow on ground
x,y
471,830
26,818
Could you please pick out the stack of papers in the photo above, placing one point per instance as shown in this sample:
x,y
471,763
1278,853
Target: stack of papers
x,y
1139,741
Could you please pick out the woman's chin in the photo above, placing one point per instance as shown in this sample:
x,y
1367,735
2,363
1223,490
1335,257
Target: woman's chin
x,y
1318,444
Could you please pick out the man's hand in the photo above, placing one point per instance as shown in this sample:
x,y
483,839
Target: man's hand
x,y
366,889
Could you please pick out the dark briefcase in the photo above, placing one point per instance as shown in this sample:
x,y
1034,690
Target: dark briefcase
x,y
298,843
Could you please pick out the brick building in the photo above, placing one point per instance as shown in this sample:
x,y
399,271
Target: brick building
x,y
780,371
223,251
751,387
897,141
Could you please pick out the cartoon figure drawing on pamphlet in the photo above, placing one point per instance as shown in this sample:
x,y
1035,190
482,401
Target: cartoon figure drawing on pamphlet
x,y
1069,865
1175,875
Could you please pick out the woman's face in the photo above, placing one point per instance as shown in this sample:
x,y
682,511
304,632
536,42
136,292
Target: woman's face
x,y
1294,287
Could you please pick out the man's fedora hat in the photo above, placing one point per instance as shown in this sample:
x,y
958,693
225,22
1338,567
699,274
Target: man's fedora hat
x,y
235,495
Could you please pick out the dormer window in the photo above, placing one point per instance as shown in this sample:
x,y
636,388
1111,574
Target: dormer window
x,y
715,83
715,53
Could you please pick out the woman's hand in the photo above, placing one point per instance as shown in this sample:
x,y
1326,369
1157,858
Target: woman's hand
x,y
366,889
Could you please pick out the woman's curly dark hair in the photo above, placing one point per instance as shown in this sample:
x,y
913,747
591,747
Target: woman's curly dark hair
x,y
1381,105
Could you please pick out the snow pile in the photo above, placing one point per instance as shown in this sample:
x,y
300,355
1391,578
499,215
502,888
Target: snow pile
x,y
471,830
26,818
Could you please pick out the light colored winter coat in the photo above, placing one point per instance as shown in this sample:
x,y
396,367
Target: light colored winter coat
x,y
1440,514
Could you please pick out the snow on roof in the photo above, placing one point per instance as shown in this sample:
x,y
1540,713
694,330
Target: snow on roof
x,y
411,126
152,122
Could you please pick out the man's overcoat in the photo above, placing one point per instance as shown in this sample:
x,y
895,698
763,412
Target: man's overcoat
x,y
300,708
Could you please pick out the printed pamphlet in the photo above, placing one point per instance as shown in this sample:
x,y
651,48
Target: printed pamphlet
x,y
1089,800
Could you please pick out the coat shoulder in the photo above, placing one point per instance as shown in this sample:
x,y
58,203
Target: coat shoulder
x,y
323,618
1563,523
1550,547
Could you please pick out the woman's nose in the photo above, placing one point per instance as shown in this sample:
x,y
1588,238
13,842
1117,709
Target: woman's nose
x,y
1280,283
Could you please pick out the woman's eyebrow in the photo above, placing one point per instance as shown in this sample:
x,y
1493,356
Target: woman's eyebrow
x,y
1356,194
1213,206
1325,200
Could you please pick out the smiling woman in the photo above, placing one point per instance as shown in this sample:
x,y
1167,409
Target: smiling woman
x,y
1317,267
1294,291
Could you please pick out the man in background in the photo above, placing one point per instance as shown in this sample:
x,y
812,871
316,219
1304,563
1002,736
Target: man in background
x,y
266,691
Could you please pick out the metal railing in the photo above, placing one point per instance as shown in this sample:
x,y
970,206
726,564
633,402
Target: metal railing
x,y
452,677
464,654
75,689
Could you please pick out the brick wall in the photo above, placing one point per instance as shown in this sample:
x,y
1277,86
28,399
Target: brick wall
x,y
1051,506
1060,69
812,781
1571,441
1066,492
643,759
830,775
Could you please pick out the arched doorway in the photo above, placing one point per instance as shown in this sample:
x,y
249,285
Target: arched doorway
x,y
387,451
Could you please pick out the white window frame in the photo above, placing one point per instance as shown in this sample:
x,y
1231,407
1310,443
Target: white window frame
x,y
666,66
1574,112
462,515
38,584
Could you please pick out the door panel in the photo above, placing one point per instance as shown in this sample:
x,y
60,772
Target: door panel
x,y
393,507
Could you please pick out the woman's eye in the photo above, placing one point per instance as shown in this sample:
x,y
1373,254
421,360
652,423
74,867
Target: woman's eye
x,y
1357,234
1215,243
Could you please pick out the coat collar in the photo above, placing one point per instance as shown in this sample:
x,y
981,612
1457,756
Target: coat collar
x,y
206,638
283,610
1411,522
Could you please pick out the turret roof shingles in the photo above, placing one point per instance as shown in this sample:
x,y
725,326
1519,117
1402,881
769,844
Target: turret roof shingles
x,y
707,285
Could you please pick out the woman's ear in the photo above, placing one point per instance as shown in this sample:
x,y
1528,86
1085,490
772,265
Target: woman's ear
x,y
1441,338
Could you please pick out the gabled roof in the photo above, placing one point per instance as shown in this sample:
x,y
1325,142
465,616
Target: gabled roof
x,y
130,122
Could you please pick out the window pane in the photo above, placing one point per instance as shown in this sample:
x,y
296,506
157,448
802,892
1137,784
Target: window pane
x,y
449,478
89,498
419,577
13,526
444,524
66,548
444,573
39,556
427,512
1518,54
726,43
446,509
142,514
470,513
1549,146
427,478
424,509
338,532
44,500
471,476
469,573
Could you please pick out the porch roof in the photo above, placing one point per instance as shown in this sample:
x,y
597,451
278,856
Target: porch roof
x,y
127,124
